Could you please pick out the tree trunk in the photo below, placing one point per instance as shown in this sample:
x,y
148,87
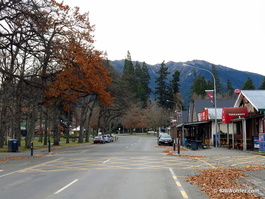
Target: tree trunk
x,y
3,126
82,124
89,121
56,133
32,119
68,126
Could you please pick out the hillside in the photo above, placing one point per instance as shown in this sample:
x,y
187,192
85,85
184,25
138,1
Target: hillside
x,y
238,78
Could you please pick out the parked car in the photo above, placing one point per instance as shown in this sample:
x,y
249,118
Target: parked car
x,y
111,138
99,139
165,139
106,138
151,132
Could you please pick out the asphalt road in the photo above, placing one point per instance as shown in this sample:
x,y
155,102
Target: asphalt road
x,y
130,168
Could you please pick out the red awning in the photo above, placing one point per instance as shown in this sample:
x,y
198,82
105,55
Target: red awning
x,y
232,113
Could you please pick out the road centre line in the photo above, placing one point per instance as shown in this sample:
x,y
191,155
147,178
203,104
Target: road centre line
x,y
60,190
182,191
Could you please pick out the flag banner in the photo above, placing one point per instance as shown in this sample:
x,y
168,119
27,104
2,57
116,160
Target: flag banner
x,y
210,94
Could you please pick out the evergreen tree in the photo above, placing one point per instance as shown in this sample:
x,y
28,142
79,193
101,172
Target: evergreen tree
x,y
199,86
137,70
137,86
129,78
229,89
128,65
262,86
145,80
175,82
219,88
162,89
248,85
174,94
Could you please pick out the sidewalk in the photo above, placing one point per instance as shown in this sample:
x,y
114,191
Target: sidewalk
x,y
231,158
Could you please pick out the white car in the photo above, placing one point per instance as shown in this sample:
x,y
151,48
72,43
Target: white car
x,y
106,138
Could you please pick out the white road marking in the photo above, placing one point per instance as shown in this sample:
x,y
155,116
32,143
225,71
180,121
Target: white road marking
x,y
105,161
66,186
182,191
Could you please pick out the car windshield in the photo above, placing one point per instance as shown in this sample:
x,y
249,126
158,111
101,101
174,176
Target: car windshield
x,y
165,136
97,138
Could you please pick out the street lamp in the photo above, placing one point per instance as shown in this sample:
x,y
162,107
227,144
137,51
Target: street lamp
x,y
215,110
177,111
182,132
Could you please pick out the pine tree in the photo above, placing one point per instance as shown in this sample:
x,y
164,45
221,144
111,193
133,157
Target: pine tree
x,y
175,82
199,86
262,86
128,65
162,89
248,85
145,80
219,88
174,94
138,87
229,89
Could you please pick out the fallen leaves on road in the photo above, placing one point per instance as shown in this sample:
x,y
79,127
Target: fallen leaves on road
x,y
170,153
171,148
221,182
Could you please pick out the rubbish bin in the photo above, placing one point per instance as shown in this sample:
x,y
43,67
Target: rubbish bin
x,y
12,145
194,145
185,142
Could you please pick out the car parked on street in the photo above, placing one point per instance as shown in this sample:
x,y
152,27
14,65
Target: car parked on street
x,y
106,138
165,139
99,139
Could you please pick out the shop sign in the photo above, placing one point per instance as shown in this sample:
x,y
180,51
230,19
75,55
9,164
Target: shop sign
x,y
203,115
232,113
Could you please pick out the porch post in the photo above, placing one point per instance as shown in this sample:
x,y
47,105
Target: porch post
x,y
182,132
233,135
227,128
244,126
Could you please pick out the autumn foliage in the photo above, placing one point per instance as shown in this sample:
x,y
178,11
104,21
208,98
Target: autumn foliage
x,y
81,71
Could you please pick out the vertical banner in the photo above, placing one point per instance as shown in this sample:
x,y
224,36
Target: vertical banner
x,y
210,94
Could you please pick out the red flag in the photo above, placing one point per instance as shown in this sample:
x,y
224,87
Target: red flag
x,y
210,96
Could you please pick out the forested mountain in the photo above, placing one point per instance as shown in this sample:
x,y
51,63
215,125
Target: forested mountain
x,y
237,78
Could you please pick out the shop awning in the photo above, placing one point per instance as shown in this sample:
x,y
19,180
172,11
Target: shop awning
x,y
232,113
192,123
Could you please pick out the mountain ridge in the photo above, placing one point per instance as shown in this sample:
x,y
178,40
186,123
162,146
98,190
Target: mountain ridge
x,y
186,69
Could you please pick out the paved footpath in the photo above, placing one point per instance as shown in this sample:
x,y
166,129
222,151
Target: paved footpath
x,y
231,158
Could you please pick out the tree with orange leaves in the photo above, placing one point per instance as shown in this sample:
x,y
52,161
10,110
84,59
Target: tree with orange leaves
x,y
81,71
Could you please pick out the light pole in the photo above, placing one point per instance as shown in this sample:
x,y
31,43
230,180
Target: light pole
x,y
182,132
179,106
215,110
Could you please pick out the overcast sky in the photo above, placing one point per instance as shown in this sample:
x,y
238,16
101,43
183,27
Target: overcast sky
x,y
225,32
